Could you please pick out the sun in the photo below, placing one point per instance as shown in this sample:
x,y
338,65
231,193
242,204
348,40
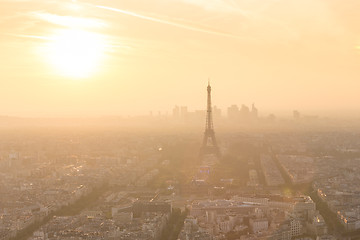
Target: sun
x,y
76,53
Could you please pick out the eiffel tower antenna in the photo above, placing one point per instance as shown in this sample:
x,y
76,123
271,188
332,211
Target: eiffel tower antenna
x,y
209,145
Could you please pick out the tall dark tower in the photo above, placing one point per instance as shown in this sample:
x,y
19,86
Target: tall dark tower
x,y
209,145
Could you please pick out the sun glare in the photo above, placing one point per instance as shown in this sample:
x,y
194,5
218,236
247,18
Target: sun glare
x,y
76,53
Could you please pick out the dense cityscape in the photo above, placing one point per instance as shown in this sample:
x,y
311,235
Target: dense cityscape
x,y
179,120
262,184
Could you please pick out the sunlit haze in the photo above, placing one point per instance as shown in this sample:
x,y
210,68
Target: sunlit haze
x,y
179,119
95,58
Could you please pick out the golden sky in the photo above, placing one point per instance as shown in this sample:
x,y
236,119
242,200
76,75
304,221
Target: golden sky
x,y
121,57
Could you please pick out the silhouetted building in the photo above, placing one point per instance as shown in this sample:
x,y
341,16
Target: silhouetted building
x,y
296,115
254,111
233,112
271,118
209,145
244,112
183,112
176,112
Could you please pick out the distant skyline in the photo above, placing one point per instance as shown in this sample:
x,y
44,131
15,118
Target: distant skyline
x,y
90,58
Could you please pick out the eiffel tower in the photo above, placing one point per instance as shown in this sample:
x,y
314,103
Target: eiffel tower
x,y
209,145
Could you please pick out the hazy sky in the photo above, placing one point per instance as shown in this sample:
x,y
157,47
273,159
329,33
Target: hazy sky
x,y
120,57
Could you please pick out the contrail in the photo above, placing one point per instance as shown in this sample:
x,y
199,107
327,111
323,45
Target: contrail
x,y
29,36
175,24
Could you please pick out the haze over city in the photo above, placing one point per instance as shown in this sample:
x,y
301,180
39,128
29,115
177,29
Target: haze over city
x,y
179,120
91,58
